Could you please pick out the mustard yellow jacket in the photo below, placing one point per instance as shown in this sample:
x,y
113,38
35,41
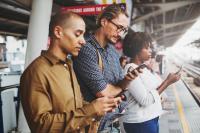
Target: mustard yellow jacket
x,y
51,97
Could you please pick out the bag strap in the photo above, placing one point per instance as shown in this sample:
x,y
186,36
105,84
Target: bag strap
x,y
100,61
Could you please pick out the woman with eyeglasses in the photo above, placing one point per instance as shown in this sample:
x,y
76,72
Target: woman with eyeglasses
x,y
144,106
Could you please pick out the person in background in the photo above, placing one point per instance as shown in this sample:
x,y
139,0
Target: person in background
x,y
161,63
144,106
107,79
123,61
49,91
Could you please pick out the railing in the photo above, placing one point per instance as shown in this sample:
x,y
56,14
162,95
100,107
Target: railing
x,y
194,71
15,99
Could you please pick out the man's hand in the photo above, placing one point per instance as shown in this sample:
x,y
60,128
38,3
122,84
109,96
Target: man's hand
x,y
106,104
114,90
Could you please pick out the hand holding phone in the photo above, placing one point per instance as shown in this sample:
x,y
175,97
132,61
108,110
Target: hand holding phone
x,y
137,69
122,95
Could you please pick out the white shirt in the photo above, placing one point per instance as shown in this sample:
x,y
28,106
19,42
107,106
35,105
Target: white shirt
x,y
143,98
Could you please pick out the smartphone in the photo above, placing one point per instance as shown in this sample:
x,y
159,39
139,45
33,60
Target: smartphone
x,y
141,67
179,70
130,69
117,115
122,95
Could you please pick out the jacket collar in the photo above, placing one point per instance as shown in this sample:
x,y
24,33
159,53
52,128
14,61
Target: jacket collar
x,y
53,59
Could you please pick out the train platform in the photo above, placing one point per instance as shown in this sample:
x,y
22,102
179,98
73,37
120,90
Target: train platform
x,y
182,113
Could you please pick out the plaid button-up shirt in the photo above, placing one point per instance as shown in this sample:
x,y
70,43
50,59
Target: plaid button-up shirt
x,y
91,78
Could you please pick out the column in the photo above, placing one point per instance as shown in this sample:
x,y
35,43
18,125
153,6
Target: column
x,y
37,41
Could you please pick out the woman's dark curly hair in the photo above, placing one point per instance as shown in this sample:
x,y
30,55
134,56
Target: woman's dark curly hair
x,y
134,42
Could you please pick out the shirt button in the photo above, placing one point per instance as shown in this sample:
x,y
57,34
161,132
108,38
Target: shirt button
x,y
93,119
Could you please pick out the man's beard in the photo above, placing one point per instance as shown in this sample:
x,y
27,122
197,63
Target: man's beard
x,y
111,42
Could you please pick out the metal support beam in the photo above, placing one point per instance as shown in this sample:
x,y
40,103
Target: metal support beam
x,y
13,8
169,34
11,34
168,42
26,3
164,7
167,26
14,22
16,4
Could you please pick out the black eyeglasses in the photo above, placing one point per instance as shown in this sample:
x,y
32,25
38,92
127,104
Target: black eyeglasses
x,y
120,28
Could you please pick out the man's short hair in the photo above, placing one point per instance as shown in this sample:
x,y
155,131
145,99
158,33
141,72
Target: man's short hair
x,y
110,12
60,19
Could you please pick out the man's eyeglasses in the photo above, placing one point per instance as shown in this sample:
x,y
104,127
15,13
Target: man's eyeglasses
x,y
120,28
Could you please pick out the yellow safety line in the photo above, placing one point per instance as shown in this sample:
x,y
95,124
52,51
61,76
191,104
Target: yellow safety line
x,y
181,112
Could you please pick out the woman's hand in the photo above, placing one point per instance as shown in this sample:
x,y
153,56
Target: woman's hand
x,y
172,78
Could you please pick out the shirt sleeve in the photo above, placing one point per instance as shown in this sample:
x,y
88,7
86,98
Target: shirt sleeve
x,y
120,69
88,71
140,93
40,114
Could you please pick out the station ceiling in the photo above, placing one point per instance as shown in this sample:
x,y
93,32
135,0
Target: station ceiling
x,y
166,20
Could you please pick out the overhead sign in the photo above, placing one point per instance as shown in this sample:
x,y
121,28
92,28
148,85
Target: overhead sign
x,y
88,10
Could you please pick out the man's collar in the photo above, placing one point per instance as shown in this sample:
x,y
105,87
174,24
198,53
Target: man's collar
x,y
92,37
53,59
